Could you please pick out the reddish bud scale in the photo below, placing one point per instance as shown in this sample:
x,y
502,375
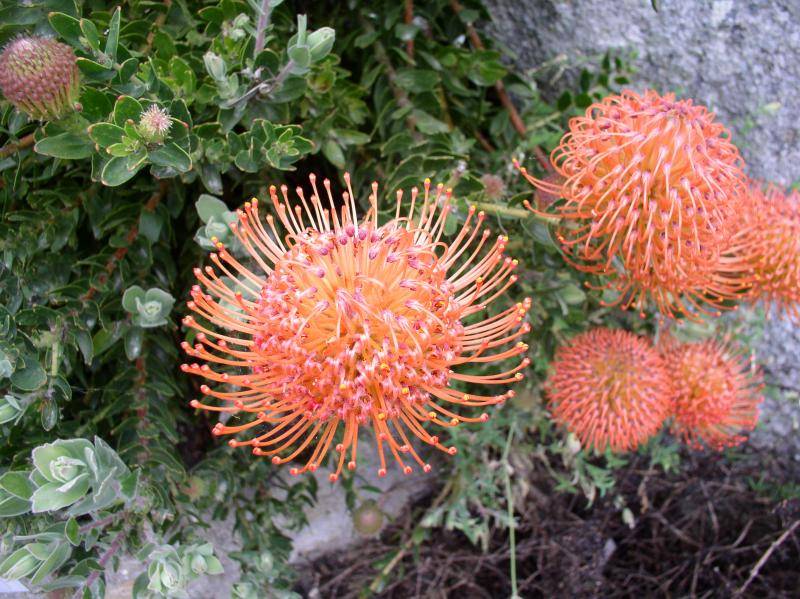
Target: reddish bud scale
x,y
653,191
717,393
345,323
610,388
40,77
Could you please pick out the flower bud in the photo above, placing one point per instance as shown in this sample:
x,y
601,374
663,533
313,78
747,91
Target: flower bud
x,y
40,77
320,43
64,468
154,124
368,518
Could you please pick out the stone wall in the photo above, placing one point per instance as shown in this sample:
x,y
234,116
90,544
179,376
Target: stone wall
x,y
739,57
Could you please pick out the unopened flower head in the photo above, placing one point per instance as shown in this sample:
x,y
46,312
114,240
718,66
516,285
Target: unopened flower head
x,y
341,323
717,392
769,240
610,388
493,186
154,124
40,77
651,186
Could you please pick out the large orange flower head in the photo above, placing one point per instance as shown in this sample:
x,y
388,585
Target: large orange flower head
x,y
610,388
717,393
343,323
770,240
650,185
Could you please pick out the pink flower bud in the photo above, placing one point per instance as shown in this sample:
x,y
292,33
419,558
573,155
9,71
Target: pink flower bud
x,y
40,77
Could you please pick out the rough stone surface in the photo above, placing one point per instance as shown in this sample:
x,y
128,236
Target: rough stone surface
x,y
739,57
779,355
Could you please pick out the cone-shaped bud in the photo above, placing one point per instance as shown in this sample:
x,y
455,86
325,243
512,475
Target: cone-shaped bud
x,y
40,77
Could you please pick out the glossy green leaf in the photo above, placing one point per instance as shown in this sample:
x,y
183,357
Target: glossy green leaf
x,y
68,146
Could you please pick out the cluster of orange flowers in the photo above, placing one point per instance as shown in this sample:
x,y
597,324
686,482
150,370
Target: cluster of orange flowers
x,y
656,201
615,390
337,322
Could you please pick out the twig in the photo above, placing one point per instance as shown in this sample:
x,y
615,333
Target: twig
x,y
16,146
408,18
119,254
399,94
116,543
98,523
157,24
512,536
502,93
265,87
767,554
261,27
373,587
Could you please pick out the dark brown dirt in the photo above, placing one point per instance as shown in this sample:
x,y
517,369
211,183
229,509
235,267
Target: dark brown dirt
x,y
720,527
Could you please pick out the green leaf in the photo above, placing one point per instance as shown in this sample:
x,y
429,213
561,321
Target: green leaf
x,y
106,134
350,137
50,496
301,57
116,171
69,28
171,155
17,483
333,152
49,413
133,342
417,80
84,342
31,377
208,207
428,124
564,101
113,36
18,564
14,506
150,224
572,294
68,146
127,70
94,70
96,104
126,108
72,532
90,34
129,298
59,555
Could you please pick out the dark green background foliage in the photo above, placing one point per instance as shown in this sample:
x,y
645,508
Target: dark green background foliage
x,y
91,209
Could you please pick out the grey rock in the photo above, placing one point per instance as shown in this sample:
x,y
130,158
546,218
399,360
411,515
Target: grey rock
x,y
739,57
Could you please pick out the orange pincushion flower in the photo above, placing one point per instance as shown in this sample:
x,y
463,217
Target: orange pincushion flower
x,y
770,241
348,322
651,185
716,393
610,388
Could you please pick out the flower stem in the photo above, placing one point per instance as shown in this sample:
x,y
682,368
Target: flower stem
x,y
502,210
